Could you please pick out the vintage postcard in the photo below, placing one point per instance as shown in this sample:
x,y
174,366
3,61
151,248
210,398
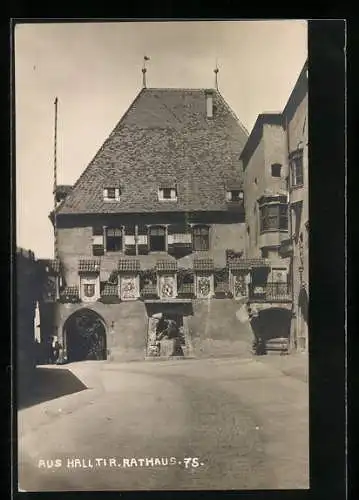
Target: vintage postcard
x,y
162,255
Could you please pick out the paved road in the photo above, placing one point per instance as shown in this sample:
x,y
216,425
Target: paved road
x,y
245,422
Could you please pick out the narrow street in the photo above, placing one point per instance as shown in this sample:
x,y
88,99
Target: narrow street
x,y
244,424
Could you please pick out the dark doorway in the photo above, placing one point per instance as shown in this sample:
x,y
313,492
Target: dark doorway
x,y
85,336
272,324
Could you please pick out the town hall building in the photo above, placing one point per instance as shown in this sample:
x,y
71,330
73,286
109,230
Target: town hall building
x,y
161,228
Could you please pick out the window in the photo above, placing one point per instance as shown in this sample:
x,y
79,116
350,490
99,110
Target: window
x,y
276,169
167,194
130,240
235,195
200,238
114,240
157,239
274,217
296,169
111,194
97,241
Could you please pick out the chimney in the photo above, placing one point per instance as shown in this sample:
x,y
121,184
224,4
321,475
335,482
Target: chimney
x,y
209,103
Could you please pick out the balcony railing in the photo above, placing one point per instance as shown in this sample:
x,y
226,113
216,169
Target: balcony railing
x,y
270,292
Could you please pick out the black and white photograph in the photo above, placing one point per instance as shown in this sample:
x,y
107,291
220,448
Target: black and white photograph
x,y
162,242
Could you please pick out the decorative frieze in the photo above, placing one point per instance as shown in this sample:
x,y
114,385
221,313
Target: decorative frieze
x,y
89,288
129,281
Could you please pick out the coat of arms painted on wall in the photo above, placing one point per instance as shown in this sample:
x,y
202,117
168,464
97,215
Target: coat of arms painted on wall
x,y
167,287
204,287
129,288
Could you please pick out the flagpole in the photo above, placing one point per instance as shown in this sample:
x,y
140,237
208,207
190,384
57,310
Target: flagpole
x,y
55,181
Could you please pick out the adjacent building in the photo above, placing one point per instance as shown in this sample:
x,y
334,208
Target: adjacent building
x,y
295,117
275,166
27,295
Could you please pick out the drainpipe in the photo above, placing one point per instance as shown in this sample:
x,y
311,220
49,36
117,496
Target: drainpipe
x,y
290,234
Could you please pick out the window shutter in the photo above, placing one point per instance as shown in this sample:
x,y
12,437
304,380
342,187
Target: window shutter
x,y
229,195
105,193
117,193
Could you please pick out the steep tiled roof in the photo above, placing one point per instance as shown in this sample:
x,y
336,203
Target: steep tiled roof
x,y
164,138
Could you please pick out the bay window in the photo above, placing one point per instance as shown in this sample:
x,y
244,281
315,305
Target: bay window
x,y
273,217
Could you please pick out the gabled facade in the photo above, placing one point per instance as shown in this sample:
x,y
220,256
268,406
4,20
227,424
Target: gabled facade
x,y
155,226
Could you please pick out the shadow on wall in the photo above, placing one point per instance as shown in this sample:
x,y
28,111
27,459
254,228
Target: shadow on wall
x,y
46,384
216,331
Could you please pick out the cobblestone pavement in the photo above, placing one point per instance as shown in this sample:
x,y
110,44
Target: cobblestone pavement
x,y
244,422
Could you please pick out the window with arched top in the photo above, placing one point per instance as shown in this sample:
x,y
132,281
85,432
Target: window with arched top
x,y
200,238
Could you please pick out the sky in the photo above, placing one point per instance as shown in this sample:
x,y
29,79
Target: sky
x,y
94,69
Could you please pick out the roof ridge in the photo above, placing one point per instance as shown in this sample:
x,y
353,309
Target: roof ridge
x,y
233,113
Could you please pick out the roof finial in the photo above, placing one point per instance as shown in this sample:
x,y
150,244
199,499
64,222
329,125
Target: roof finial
x,y
216,71
144,69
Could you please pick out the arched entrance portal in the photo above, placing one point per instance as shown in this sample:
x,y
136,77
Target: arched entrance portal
x,y
85,336
272,323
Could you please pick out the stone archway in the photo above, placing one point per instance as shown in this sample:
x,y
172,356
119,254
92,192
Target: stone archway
x,y
272,323
85,336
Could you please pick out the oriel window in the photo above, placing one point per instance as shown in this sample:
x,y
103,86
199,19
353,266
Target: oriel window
x,y
274,217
